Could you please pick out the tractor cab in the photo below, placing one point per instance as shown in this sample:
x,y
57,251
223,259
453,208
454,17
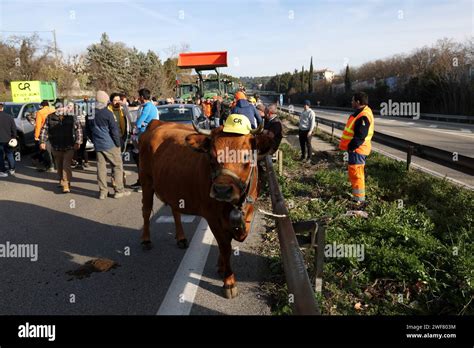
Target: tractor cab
x,y
205,61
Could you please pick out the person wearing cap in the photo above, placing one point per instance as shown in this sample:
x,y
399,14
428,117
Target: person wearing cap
x,y
7,133
243,107
104,132
305,132
64,132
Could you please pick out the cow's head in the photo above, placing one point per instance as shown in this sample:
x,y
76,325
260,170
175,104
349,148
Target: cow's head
x,y
233,160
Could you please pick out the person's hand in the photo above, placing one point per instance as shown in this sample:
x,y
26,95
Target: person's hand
x,y
77,146
43,146
310,135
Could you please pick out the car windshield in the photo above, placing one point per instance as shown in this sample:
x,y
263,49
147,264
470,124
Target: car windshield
x,y
175,113
13,110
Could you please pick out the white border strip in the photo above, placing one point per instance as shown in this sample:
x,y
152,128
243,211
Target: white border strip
x,y
180,295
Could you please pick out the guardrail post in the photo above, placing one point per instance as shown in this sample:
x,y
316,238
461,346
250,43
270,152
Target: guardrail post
x,y
317,125
318,241
409,154
280,162
332,132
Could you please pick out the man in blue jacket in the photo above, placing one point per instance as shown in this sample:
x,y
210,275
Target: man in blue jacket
x,y
105,134
243,107
149,112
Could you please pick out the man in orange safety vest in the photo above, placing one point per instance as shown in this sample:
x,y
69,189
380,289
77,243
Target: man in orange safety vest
x,y
356,140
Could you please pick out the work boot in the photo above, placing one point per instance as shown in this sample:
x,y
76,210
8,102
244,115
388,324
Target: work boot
x,y
136,186
66,188
103,195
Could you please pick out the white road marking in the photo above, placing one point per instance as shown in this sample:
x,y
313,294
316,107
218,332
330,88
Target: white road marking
x,y
432,126
386,131
464,130
170,219
180,295
451,133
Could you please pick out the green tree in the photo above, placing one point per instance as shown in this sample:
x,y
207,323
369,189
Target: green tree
x,y
347,80
310,84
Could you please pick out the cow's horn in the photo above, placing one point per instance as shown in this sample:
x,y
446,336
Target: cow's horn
x,y
200,130
258,130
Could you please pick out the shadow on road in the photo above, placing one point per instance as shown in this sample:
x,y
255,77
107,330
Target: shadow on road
x,y
66,241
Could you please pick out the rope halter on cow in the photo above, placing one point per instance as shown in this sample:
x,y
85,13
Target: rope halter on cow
x,y
236,215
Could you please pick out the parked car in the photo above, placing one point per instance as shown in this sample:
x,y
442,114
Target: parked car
x,y
182,113
24,115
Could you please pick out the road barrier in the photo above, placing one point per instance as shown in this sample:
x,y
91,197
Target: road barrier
x,y
299,285
446,158
437,117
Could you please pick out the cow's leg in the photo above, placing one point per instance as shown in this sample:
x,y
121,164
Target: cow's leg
x,y
147,206
224,241
180,237
230,286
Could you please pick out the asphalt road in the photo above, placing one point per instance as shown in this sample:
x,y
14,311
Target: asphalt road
x,y
453,137
71,229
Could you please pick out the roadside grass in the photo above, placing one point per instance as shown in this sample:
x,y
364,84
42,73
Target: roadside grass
x,y
418,239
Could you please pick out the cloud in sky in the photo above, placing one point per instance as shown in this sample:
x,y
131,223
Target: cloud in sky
x,y
262,37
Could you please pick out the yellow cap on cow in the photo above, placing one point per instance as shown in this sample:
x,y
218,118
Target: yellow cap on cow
x,y
236,123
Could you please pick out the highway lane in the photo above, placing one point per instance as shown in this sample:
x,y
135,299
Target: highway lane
x,y
454,137
72,229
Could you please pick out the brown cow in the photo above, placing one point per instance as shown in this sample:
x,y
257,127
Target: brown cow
x,y
181,166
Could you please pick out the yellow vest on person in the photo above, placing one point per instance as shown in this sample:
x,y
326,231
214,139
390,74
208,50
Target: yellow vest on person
x,y
119,118
348,133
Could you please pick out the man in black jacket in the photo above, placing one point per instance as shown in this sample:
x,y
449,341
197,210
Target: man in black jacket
x,y
64,132
7,132
272,126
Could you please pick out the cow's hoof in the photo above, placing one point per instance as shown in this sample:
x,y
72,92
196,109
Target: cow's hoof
x,y
183,243
147,245
230,291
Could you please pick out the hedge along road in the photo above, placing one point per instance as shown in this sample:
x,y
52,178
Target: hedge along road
x,y
70,230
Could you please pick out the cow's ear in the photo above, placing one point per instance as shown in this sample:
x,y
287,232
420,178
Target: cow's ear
x,y
263,143
199,142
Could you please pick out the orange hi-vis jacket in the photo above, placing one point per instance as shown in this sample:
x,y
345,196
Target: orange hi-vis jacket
x,y
348,133
207,109
41,116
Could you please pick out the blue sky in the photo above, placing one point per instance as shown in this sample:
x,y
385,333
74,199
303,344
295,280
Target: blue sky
x,y
262,37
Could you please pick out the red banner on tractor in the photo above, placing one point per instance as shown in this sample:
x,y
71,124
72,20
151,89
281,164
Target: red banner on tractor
x,y
202,60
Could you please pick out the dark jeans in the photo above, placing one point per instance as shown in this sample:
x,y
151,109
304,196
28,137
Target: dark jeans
x,y
81,155
305,143
44,157
7,151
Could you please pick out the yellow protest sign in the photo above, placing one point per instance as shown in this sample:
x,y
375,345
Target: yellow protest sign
x,y
26,91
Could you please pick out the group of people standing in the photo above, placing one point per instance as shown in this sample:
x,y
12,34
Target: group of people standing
x,y
356,140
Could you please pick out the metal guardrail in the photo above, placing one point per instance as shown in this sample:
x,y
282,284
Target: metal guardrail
x,y
438,117
446,158
294,267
